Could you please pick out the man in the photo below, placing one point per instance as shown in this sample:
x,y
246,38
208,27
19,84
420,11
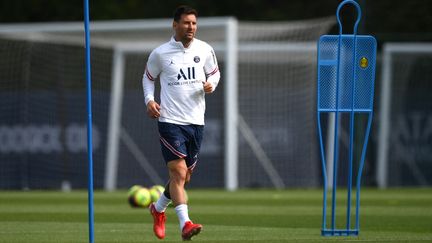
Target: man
x,y
187,69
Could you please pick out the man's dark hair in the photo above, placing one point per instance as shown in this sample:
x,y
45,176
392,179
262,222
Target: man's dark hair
x,y
183,9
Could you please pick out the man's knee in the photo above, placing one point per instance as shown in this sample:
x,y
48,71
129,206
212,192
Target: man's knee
x,y
178,170
188,176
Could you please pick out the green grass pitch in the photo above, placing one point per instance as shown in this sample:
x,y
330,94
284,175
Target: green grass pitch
x,y
396,215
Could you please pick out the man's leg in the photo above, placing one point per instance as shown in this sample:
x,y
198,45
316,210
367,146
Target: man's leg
x,y
178,173
164,200
179,176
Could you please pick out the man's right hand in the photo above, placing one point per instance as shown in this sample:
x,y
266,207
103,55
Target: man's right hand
x,y
153,109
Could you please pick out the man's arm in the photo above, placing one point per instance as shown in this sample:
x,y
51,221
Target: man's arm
x,y
211,69
149,86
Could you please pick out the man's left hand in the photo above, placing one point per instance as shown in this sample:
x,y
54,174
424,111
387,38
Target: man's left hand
x,y
208,87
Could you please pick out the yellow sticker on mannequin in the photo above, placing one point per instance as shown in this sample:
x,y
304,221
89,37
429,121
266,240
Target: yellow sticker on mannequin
x,y
364,62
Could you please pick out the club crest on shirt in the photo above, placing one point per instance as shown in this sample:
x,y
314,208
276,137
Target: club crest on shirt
x,y
197,59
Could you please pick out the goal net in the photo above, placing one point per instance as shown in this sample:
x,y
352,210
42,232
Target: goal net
x,y
43,113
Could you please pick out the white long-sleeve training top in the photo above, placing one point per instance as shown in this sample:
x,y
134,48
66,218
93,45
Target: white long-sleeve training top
x,y
181,72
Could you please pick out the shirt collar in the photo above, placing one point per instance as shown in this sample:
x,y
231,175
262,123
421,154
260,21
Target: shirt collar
x,y
179,44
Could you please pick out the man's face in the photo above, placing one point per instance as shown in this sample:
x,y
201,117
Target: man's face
x,y
186,28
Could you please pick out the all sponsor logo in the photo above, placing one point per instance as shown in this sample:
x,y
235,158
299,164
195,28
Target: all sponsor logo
x,y
187,74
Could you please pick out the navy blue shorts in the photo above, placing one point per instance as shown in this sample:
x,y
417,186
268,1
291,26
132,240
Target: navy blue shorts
x,y
180,141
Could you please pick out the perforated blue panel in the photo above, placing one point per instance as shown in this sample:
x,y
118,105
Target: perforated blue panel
x,y
355,65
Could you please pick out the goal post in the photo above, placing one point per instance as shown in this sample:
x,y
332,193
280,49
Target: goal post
x,y
231,106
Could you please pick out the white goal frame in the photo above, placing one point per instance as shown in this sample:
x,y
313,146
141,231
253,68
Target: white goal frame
x,y
229,48
389,49
34,32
